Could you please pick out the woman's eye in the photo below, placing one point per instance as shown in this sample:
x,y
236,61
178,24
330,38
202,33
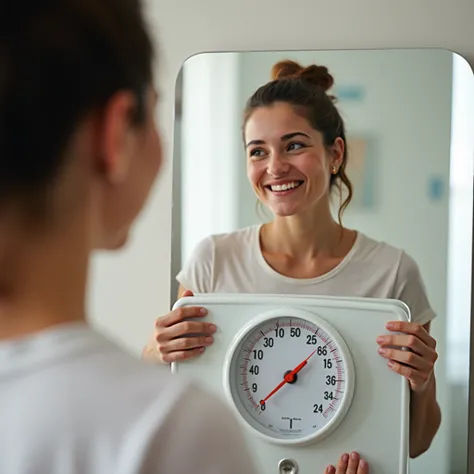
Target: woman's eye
x,y
295,146
256,152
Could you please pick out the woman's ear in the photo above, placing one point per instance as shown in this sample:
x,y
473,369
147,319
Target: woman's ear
x,y
117,137
337,152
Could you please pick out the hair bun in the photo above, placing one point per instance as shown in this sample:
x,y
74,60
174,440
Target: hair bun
x,y
318,75
285,69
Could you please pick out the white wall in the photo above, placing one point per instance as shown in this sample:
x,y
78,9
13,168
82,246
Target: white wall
x,y
210,144
130,289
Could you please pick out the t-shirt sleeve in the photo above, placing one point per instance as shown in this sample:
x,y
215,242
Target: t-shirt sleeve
x,y
201,436
410,288
197,273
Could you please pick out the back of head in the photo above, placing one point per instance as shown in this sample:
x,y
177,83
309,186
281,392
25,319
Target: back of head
x,y
59,61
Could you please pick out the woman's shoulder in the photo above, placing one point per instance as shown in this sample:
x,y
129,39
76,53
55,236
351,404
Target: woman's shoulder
x,y
397,267
223,243
233,240
212,255
381,252
388,261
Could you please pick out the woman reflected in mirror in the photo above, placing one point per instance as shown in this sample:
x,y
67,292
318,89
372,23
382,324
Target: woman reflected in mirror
x,y
297,154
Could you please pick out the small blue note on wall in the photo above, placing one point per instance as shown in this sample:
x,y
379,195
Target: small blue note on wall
x,y
352,93
435,188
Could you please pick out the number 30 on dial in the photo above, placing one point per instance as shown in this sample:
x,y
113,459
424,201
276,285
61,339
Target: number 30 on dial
x,y
290,376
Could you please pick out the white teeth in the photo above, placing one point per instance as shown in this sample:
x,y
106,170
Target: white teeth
x,y
284,187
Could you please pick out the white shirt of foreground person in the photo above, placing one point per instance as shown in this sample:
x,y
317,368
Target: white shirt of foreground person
x,y
73,402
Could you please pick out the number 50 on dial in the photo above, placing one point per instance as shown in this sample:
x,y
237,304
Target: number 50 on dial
x,y
290,376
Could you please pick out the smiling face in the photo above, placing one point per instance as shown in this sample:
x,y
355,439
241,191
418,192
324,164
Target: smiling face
x,y
288,164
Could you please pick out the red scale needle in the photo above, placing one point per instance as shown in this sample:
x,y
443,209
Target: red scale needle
x,y
288,378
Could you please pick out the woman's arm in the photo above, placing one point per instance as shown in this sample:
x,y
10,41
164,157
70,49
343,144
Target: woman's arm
x,y
151,352
197,273
425,416
417,364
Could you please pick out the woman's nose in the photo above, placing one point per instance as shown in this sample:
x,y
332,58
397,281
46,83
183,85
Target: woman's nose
x,y
277,165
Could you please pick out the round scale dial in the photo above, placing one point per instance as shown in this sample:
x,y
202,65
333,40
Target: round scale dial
x,y
290,377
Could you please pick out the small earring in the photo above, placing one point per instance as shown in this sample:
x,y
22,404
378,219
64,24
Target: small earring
x,y
334,170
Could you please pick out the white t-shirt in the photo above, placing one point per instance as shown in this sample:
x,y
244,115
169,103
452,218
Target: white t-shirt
x,y
72,402
233,263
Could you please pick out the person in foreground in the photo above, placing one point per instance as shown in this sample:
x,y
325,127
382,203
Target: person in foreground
x,y
79,152
297,154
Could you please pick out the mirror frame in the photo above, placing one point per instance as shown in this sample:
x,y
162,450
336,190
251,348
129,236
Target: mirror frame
x,y
470,406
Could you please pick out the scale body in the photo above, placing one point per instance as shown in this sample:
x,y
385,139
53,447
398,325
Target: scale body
x,y
368,408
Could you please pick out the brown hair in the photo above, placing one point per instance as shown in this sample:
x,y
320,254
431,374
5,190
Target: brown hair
x,y
306,89
60,60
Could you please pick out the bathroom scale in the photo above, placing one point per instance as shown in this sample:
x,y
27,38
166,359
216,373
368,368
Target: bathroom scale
x,y
304,379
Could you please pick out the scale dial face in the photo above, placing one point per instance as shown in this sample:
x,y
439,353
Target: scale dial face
x,y
291,378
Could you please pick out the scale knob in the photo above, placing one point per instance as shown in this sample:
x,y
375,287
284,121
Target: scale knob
x,y
288,466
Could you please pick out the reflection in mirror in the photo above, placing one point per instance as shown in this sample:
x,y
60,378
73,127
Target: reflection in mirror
x,y
408,116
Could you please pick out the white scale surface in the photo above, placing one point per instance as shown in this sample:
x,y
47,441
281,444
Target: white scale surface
x,y
374,421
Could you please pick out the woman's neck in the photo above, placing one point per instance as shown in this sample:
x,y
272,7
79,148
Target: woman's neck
x,y
306,237
42,282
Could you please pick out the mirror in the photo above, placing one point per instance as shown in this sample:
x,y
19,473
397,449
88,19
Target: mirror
x,y
409,117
